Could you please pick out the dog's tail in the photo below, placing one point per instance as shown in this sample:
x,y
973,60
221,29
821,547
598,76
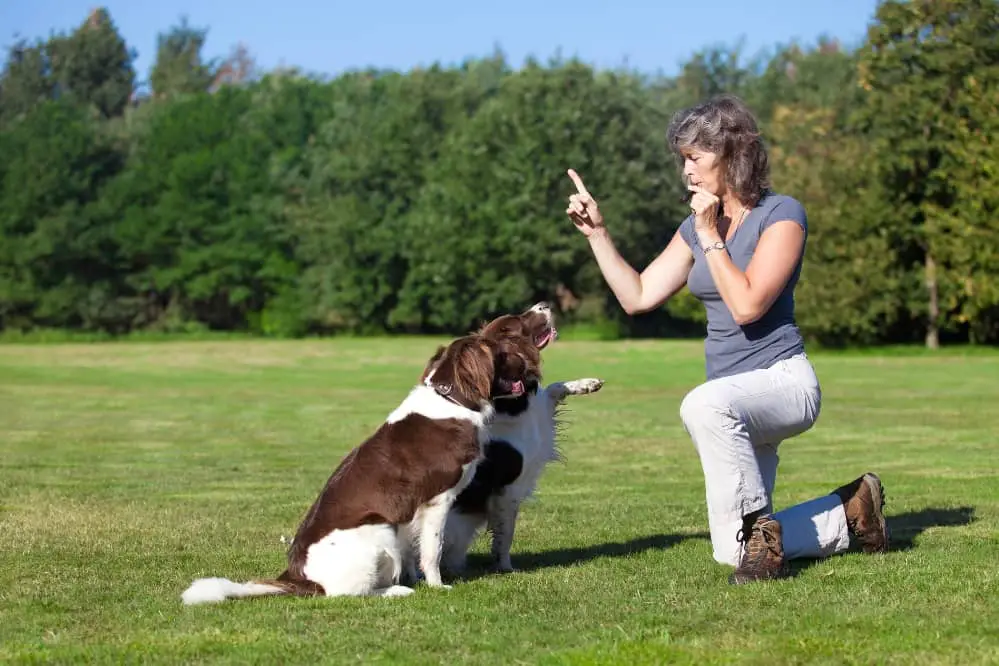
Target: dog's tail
x,y
214,590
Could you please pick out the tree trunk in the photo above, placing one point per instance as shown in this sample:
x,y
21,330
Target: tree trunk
x,y
932,328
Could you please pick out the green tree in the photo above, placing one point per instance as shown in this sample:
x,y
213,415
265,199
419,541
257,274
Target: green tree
x,y
26,80
918,115
56,260
180,67
363,173
490,232
187,215
93,65
967,234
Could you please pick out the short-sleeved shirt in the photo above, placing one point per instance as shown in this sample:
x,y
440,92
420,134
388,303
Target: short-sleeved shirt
x,y
730,348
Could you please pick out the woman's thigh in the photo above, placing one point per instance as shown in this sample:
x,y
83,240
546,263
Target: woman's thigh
x,y
773,404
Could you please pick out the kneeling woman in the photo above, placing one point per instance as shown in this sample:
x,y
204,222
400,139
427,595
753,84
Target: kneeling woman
x,y
740,253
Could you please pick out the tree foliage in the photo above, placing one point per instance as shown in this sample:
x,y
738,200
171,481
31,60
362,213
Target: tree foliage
x,y
234,198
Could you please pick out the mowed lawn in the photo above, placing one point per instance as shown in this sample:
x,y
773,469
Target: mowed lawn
x,y
129,469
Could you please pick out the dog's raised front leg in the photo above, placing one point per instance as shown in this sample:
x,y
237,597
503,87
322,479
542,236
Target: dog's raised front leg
x,y
559,391
503,512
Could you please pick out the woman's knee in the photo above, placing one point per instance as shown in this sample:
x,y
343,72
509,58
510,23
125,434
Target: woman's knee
x,y
703,404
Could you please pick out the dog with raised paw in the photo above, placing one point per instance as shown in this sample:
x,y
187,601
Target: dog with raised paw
x,y
388,501
523,439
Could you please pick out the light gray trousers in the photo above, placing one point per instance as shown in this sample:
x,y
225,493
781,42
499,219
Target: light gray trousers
x,y
737,424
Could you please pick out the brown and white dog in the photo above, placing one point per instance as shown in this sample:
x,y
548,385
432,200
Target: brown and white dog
x,y
391,495
522,441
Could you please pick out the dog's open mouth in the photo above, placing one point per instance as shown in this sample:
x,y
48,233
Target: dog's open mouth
x,y
546,337
516,390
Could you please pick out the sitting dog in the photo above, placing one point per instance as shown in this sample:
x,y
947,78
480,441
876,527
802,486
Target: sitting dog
x,y
395,489
522,441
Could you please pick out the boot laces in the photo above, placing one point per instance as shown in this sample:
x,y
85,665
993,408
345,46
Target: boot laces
x,y
766,539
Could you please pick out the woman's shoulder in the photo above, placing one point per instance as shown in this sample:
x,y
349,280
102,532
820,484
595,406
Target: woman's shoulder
x,y
686,230
777,207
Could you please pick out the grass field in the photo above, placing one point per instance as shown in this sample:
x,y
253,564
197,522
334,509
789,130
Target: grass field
x,y
127,470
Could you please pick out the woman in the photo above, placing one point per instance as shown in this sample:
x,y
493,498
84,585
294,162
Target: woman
x,y
740,253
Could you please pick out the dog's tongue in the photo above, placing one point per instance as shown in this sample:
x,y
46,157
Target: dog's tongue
x,y
517,388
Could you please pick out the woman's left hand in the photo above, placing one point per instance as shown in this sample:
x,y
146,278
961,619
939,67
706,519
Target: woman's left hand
x,y
705,206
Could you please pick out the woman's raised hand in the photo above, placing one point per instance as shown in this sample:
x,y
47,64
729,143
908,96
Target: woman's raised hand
x,y
583,210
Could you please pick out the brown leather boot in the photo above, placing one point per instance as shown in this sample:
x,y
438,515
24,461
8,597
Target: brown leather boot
x,y
864,501
762,552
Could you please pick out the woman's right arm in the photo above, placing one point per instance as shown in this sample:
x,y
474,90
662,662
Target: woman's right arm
x,y
636,292
645,291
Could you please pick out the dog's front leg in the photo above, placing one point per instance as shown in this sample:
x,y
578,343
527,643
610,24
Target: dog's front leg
x,y
432,523
559,391
503,512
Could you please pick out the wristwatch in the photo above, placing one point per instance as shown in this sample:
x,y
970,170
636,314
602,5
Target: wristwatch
x,y
717,245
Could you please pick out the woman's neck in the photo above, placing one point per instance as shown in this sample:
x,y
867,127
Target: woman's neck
x,y
733,213
731,207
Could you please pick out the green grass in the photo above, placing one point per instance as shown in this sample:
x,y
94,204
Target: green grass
x,y
127,470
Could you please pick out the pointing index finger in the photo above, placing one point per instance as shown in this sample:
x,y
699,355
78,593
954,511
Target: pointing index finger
x,y
577,181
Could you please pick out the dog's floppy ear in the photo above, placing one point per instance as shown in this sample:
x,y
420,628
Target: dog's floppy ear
x,y
465,371
432,363
476,368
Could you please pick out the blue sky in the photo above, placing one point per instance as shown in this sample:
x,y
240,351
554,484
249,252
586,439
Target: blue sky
x,y
331,36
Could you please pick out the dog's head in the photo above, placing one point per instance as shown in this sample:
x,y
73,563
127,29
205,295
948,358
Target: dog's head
x,y
474,370
536,322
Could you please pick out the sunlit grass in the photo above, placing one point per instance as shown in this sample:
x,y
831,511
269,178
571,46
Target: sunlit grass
x,y
127,470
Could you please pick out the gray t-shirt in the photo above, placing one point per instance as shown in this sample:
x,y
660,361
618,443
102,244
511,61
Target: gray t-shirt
x,y
729,348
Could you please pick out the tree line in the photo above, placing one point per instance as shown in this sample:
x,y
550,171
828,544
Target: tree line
x,y
220,196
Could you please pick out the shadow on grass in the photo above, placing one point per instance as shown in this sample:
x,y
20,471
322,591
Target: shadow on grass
x,y
478,565
905,527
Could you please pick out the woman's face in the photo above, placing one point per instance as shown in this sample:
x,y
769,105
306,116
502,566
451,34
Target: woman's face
x,y
704,169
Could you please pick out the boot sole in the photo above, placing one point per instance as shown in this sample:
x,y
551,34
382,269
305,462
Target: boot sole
x,y
873,482
783,572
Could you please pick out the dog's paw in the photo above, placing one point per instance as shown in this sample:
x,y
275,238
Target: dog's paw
x,y
502,566
584,386
436,582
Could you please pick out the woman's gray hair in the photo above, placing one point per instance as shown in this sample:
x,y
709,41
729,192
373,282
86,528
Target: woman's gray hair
x,y
724,125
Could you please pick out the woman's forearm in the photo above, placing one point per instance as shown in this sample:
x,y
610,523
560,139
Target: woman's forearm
x,y
732,284
621,277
